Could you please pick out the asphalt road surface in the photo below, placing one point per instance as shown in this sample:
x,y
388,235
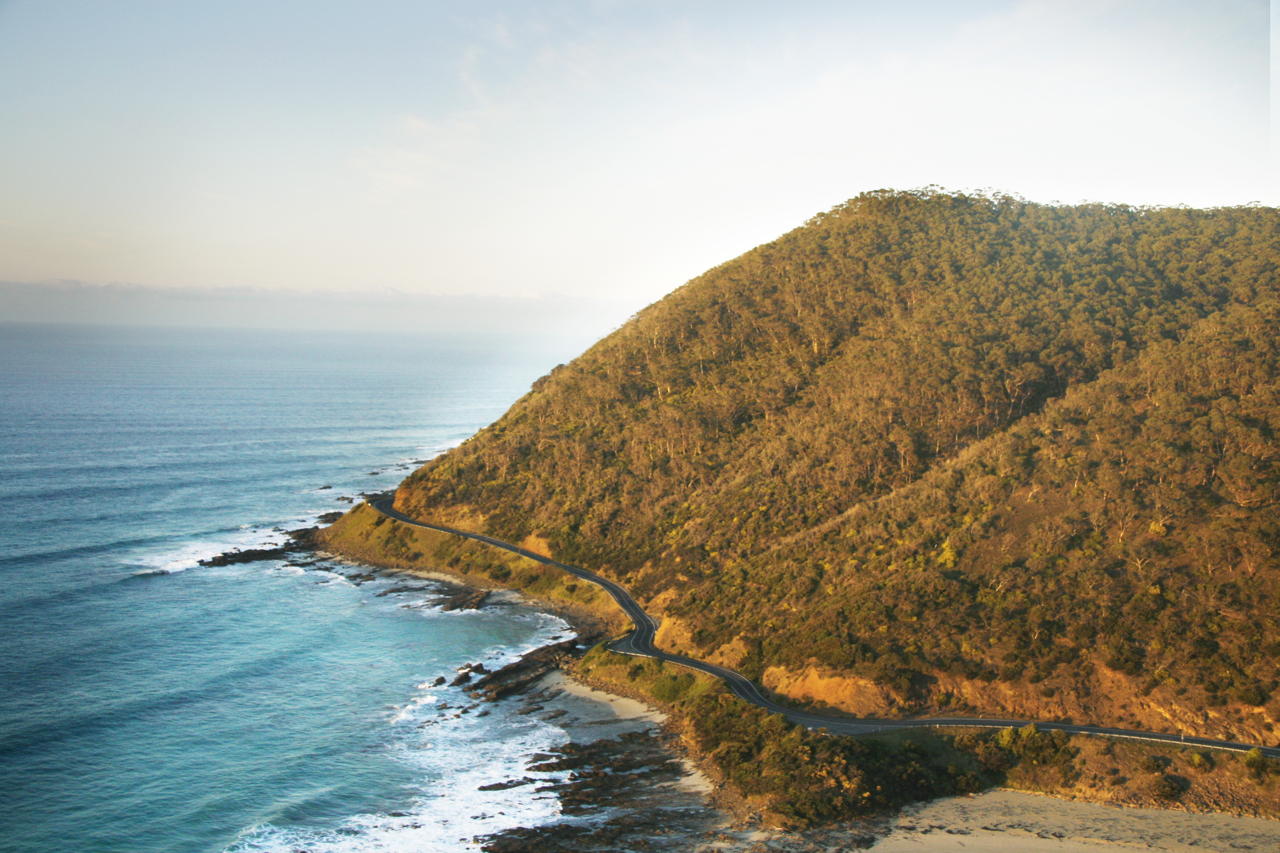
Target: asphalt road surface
x,y
639,643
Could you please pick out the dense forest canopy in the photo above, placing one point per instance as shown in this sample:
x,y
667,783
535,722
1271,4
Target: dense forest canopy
x,y
931,433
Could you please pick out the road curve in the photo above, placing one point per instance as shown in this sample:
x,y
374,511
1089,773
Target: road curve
x,y
639,643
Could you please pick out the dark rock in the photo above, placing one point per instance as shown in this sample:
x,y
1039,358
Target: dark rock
x,y
248,555
329,517
325,486
615,788
470,599
438,681
463,678
519,674
510,783
346,500
302,539
398,589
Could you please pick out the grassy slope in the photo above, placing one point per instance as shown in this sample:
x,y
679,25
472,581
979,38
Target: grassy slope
x,y
365,535
842,431
1134,587
925,452
799,778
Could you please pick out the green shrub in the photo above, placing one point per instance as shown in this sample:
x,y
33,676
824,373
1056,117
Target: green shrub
x,y
1155,763
1257,763
671,687
1170,787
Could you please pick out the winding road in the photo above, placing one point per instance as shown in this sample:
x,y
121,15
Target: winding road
x,y
639,643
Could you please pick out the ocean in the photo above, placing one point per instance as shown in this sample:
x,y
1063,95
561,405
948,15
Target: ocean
x,y
152,704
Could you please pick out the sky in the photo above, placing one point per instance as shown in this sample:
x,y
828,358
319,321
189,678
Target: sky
x,y
596,153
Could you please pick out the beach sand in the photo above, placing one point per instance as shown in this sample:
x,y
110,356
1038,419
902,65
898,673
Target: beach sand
x,y
1015,821
995,821
998,821
620,706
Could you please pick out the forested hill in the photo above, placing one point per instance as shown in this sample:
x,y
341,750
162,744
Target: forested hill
x,y
927,442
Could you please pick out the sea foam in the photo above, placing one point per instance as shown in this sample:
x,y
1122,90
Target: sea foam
x,y
455,754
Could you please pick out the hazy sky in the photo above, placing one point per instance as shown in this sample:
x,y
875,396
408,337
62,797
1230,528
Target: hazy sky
x,y
607,150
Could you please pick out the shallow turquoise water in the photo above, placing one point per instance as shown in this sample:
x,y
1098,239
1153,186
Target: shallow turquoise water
x,y
153,705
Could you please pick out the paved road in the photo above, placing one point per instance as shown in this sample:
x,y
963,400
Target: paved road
x,y
639,643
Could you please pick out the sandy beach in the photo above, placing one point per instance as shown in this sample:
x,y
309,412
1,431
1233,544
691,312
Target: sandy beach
x,y
1000,821
1011,820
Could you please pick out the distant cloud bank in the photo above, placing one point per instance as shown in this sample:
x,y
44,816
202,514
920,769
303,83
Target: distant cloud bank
x,y
560,318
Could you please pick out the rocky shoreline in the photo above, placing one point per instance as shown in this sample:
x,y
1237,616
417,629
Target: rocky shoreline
x,y
624,782
619,775
620,794
298,543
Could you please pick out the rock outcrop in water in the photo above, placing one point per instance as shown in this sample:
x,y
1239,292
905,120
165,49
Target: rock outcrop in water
x,y
469,599
520,674
302,540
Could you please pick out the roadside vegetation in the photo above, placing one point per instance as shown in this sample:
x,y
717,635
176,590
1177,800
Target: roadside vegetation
x,y
366,535
798,777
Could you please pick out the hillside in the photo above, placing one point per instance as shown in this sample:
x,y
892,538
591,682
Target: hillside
x,y
930,452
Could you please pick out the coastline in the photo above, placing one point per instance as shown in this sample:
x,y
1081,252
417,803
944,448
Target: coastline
x,y
999,819
587,625
1121,771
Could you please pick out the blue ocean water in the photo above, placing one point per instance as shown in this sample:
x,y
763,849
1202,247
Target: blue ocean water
x,y
150,704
